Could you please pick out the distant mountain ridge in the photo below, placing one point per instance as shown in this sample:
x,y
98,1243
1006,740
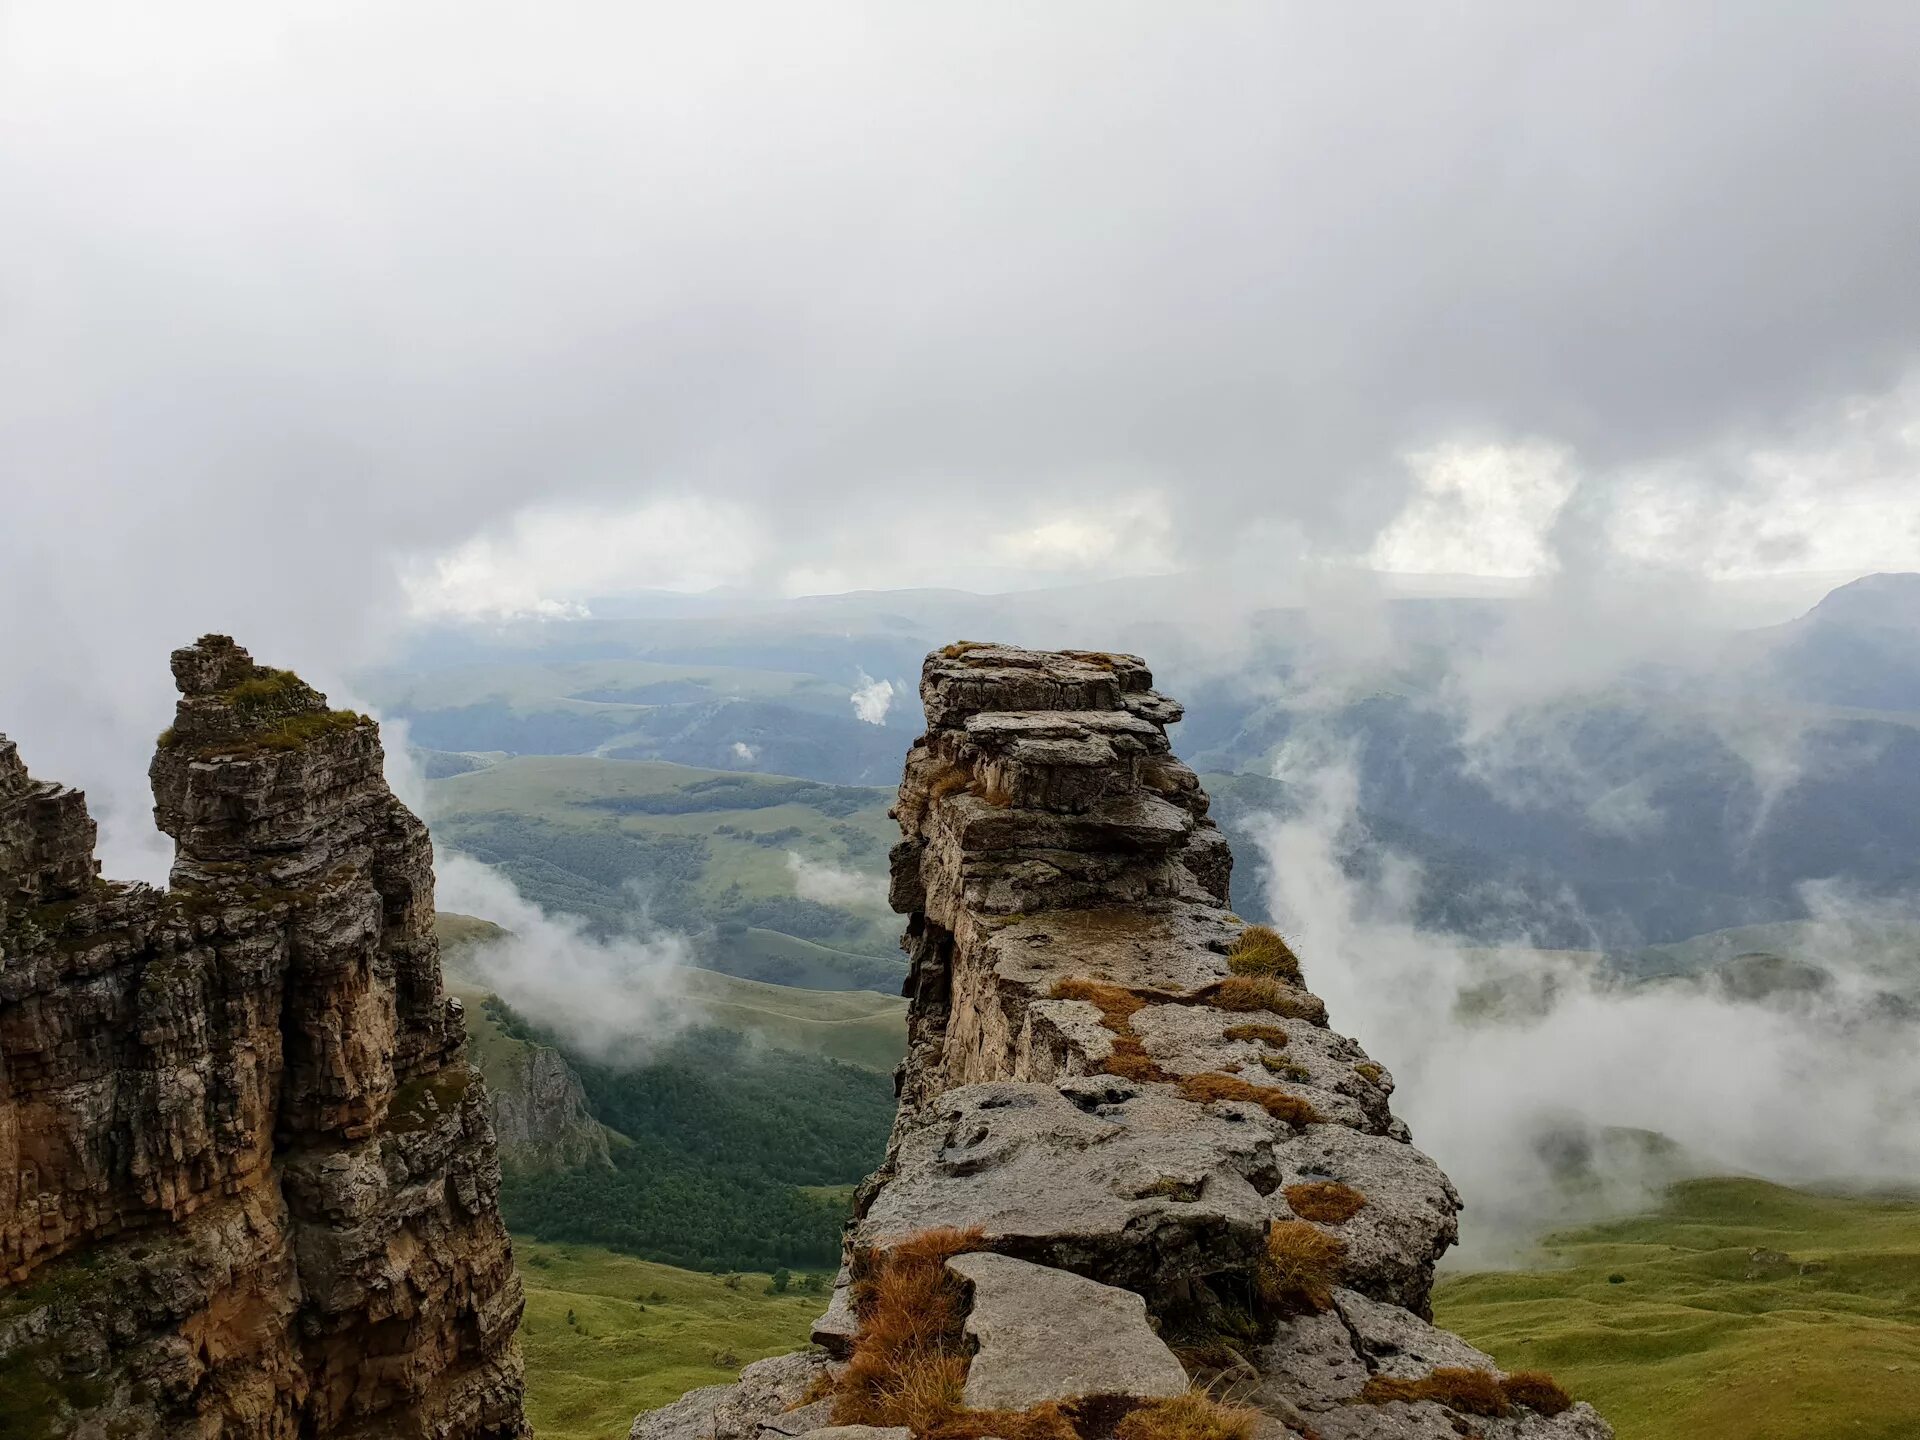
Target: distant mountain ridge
x,y
1676,801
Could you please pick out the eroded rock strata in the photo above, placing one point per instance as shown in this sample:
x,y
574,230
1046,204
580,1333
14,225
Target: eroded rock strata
x,y
247,1179
1129,1094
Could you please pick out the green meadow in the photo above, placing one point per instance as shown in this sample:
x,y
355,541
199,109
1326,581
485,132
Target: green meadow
x,y
1738,1310
640,1334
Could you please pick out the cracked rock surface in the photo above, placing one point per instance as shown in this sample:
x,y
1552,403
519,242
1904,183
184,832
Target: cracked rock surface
x,y
1098,1085
1041,1334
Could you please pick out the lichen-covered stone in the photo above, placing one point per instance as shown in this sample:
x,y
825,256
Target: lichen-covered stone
x,y
247,1177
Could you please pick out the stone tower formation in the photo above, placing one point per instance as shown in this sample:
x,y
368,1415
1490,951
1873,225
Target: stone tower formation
x,y
247,1180
1131,1159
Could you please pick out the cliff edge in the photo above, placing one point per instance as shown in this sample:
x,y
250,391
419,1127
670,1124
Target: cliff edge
x,y
247,1179
1136,1187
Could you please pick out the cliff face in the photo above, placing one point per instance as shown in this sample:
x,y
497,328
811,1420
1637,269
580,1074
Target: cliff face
x,y
1132,1103
247,1179
540,1115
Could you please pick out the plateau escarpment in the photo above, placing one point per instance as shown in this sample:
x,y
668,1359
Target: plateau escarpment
x,y
247,1179
1132,1167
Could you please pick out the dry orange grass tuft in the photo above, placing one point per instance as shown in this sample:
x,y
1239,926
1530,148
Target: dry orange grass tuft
x,y
1265,1034
1303,1266
1117,1006
1474,1392
1277,1103
1536,1390
1370,1072
1262,950
1470,1392
950,781
1116,1003
1192,1416
1094,657
908,1365
1327,1201
1261,992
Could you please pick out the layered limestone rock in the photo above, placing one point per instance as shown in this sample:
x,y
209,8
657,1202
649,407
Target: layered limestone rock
x,y
247,1177
1116,1083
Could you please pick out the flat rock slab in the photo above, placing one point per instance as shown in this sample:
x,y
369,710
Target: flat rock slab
x,y
1127,1184
1043,1334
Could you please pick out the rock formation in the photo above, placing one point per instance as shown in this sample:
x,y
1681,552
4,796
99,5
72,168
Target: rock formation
x,y
1127,1103
247,1179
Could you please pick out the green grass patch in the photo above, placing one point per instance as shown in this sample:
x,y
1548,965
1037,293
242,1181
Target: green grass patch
x,y
642,1334
1739,1310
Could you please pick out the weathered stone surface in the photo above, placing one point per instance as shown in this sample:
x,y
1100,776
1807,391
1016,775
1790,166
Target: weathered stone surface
x,y
1042,1334
247,1178
768,1400
834,1331
1117,1181
1091,1086
688,1418
540,1115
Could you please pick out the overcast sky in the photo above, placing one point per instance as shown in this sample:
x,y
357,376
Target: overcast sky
x,y
317,316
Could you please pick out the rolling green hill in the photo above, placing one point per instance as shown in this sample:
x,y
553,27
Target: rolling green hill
x,y
715,854
857,1027
732,717
1739,1310
641,1334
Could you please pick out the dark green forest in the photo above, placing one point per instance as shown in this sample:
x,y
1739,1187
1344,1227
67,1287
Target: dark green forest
x,y
723,1132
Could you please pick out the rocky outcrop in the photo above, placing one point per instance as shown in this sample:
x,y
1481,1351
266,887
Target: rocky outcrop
x,y
247,1178
540,1113
1115,1082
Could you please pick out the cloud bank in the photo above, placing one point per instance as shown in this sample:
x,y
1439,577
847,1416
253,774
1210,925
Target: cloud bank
x,y
322,320
1511,1064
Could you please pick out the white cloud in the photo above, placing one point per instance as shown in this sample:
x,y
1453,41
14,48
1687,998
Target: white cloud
x,y
543,563
611,996
1482,509
744,752
1121,534
872,699
1793,1094
832,885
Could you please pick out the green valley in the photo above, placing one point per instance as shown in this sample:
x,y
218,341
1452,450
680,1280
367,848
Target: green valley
x,y
715,1138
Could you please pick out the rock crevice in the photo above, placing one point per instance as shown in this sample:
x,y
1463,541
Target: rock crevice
x,y
247,1178
1113,1078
